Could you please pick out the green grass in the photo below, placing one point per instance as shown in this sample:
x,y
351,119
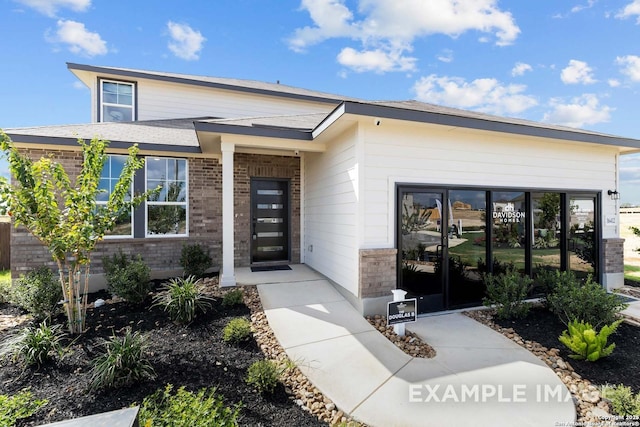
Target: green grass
x,y
5,276
632,272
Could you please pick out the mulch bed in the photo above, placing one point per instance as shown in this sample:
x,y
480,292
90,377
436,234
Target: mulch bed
x,y
194,356
621,367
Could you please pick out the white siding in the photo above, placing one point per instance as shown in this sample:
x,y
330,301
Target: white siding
x,y
430,154
162,100
331,206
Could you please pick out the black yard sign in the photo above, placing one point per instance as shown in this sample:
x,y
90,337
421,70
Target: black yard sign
x,y
401,311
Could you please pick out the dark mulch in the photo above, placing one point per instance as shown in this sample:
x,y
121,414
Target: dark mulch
x,y
194,356
621,367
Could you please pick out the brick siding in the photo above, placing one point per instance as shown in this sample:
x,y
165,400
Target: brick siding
x,y
205,228
205,215
613,255
377,272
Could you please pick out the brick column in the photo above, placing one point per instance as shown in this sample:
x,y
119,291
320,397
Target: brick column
x,y
613,249
377,272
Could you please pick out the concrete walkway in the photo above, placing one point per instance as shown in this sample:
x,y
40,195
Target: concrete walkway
x,y
478,378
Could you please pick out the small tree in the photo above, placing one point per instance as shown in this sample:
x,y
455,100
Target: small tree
x,y
64,216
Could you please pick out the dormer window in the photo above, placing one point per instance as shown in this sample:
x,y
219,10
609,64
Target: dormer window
x,y
117,101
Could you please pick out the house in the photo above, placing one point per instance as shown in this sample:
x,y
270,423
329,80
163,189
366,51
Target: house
x,y
373,195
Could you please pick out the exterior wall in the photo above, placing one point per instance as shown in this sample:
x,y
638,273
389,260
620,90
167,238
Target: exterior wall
x,y
158,100
161,254
377,272
247,166
331,211
437,155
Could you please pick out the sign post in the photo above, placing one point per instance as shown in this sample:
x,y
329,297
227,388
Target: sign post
x,y
401,311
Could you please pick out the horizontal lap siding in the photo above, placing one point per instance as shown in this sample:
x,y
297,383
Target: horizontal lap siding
x,y
431,155
330,212
166,101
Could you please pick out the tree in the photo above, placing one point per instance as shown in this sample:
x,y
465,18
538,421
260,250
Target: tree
x,y
63,215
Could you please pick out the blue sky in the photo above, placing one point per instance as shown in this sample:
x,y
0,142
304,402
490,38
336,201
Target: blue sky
x,y
574,63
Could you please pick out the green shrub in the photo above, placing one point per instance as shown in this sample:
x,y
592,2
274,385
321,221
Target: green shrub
x,y
263,375
587,344
122,363
183,299
5,286
38,344
38,292
237,330
127,278
507,292
587,302
186,409
622,400
19,406
194,260
233,297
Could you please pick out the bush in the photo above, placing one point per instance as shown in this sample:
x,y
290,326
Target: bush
x,y
18,406
183,299
38,344
5,286
127,278
38,292
588,302
263,375
122,363
586,343
622,400
233,297
194,260
237,330
507,292
186,409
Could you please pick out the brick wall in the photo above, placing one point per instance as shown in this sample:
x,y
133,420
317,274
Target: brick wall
x,y
377,272
247,166
613,255
205,228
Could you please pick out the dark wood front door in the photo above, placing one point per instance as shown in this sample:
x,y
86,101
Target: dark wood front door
x,y
269,220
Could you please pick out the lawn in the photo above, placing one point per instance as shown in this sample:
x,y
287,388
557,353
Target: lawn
x,y
632,272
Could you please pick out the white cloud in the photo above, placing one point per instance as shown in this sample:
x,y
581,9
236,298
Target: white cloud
x,y
50,7
375,60
390,27
486,95
577,72
446,56
79,40
630,10
186,43
630,66
520,68
581,7
613,82
580,111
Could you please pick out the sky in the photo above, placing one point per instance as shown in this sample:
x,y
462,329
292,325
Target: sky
x,y
568,62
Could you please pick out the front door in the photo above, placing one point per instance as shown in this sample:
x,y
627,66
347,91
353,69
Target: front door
x,y
269,220
423,246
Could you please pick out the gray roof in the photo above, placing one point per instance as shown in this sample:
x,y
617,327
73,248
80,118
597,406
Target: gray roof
x,y
165,135
252,86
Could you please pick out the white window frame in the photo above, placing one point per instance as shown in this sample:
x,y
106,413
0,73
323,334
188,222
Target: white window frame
x,y
118,236
110,104
152,203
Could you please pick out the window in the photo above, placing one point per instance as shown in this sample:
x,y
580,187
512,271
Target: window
x,y
167,206
108,180
117,101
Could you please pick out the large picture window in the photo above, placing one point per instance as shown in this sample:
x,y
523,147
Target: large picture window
x,y
117,101
108,180
167,206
